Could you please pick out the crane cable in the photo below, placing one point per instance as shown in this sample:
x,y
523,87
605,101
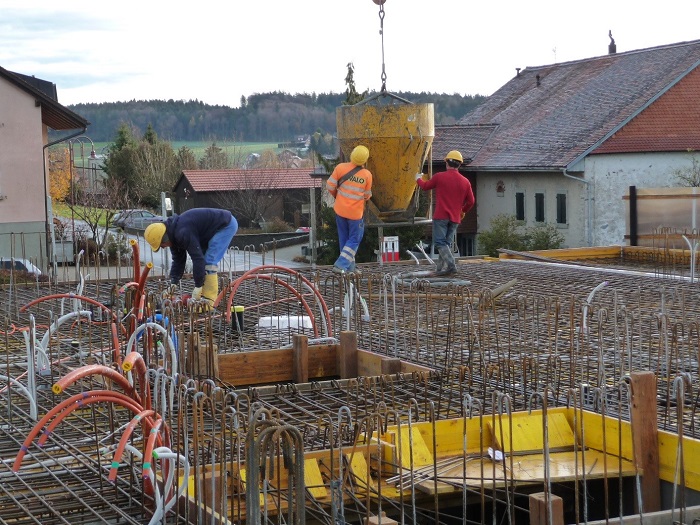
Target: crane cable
x,y
381,32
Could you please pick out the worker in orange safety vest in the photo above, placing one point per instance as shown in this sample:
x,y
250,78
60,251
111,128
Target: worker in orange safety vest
x,y
351,185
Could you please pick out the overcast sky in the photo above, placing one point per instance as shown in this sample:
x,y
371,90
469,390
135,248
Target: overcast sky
x,y
218,51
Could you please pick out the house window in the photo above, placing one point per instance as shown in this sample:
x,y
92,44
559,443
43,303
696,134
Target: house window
x,y
539,207
561,208
520,206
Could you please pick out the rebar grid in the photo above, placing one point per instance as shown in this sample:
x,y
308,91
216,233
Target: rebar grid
x,y
556,330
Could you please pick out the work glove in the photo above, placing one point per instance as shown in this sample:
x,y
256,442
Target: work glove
x,y
197,293
419,176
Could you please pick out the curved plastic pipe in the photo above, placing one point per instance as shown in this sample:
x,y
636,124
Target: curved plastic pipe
x,y
130,345
66,296
131,285
144,276
137,258
52,329
124,440
88,370
255,274
114,396
115,345
82,403
134,361
32,402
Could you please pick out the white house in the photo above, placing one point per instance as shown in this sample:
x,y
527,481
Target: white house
x,y
563,143
28,110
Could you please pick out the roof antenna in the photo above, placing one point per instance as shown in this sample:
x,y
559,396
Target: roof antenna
x,y
612,48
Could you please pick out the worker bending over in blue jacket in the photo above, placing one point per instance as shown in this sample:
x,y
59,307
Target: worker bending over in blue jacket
x,y
203,233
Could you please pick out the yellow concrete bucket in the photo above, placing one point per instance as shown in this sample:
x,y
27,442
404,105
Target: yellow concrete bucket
x,y
399,137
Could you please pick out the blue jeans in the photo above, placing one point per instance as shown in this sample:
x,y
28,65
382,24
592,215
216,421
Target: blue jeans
x,y
443,235
350,233
219,243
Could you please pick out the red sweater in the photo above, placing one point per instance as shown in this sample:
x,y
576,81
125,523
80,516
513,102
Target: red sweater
x,y
453,194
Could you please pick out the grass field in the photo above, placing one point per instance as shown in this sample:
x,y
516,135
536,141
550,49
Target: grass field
x,y
232,149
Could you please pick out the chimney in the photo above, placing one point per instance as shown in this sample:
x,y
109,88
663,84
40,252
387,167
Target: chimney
x,y
517,71
612,48
537,77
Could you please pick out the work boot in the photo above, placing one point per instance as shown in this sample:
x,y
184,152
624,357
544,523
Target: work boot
x,y
446,272
210,290
338,270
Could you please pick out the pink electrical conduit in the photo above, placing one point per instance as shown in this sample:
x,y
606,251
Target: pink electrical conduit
x,y
137,258
77,404
66,296
148,453
82,399
134,361
89,370
126,436
256,273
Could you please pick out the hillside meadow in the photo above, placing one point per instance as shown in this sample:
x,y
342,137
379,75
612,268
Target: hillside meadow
x,y
232,149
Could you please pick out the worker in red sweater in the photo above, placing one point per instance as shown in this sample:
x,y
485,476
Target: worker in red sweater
x,y
453,199
351,186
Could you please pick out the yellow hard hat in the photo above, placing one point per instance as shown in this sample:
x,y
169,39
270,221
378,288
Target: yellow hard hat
x,y
154,235
359,155
454,155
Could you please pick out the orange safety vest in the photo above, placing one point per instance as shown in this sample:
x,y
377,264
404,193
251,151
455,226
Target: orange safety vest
x,y
350,197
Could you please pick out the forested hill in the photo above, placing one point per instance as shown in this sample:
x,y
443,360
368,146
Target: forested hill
x,y
265,117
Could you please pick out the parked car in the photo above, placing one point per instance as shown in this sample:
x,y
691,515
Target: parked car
x,y
18,265
137,219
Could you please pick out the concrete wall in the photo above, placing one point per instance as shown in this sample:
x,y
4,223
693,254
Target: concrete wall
x,y
22,186
611,177
491,202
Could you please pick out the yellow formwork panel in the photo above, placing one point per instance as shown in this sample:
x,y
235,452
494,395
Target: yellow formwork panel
x,y
399,138
527,434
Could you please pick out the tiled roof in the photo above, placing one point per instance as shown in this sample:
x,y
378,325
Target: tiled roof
x,y
467,139
548,116
251,179
671,123
53,114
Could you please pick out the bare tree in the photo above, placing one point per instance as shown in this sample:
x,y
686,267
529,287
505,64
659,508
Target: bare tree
x,y
250,196
690,176
95,211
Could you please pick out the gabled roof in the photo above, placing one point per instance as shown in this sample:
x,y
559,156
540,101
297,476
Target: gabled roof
x,y
467,139
53,114
203,181
548,117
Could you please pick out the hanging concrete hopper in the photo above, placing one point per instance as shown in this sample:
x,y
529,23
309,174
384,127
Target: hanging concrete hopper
x,y
399,137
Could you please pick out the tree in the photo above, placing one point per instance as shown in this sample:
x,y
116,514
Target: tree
x,y
59,173
214,158
249,197
142,169
351,95
89,207
186,159
690,176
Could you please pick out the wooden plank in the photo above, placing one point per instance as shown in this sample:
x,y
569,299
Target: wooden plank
x,y
573,253
646,437
368,364
390,366
347,355
539,510
300,361
274,366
